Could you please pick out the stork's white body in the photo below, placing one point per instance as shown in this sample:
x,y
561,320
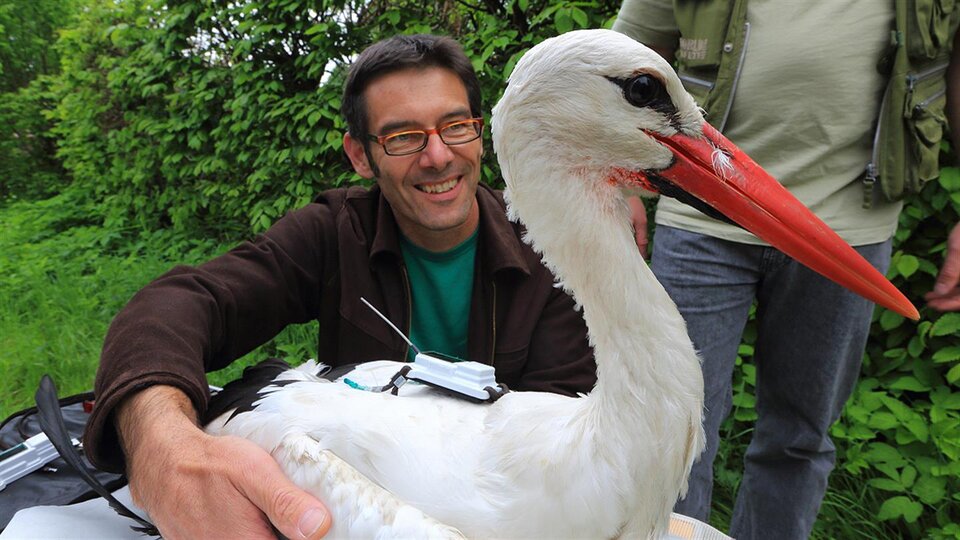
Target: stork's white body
x,y
532,464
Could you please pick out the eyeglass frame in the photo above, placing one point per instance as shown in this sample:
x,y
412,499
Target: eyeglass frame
x,y
381,139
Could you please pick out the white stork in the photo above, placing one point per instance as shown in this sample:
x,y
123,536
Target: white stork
x,y
585,115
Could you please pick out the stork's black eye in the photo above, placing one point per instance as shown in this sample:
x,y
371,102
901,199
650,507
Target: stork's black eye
x,y
645,90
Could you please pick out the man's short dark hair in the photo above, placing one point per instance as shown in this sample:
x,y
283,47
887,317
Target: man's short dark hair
x,y
395,54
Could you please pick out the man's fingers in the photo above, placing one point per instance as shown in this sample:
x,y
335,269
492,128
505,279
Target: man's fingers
x,y
944,296
294,512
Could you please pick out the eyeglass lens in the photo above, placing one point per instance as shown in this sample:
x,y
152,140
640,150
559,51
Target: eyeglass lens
x,y
412,141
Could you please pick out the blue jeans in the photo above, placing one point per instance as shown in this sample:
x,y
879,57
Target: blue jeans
x,y
811,337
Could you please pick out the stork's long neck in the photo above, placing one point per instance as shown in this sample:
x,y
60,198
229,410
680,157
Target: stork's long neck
x,y
643,353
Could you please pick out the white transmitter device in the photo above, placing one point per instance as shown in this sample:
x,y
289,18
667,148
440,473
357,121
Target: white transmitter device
x,y
463,378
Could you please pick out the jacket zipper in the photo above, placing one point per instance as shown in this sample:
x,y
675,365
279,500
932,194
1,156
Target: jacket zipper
x,y
736,77
406,284
493,332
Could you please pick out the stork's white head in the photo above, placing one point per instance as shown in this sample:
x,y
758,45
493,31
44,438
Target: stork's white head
x,y
588,99
591,111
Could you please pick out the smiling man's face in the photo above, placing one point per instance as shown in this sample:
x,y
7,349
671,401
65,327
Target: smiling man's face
x,y
433,191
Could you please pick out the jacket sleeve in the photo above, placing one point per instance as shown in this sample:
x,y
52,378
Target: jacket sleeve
x,y
560,358
197,319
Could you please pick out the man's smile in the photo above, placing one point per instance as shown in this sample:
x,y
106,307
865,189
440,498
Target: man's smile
x,y
438,187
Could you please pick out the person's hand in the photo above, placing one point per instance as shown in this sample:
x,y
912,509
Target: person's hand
x,y
195,485
945,295
638,216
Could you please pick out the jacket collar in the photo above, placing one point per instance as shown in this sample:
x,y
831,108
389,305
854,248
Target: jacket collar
x,y
499,240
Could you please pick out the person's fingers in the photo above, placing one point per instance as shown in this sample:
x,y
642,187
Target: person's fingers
x,y
294,512
949,274
945,295
638,216
949,302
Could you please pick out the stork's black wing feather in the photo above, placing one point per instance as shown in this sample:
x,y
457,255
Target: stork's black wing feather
x,y
242,393
51,421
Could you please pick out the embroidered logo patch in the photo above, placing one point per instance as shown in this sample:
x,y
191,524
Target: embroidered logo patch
x,y
692,49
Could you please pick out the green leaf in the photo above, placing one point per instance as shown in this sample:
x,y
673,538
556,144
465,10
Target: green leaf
x,y
951,402
930,490
908,476
884,453
917,426
954,374
946,325
900,506
915,346
562,21
886,484
950,178
907,265
890,320
909,383
580,17
947,354
882,420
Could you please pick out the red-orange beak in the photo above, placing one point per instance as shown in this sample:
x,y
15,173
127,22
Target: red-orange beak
x,y
735,186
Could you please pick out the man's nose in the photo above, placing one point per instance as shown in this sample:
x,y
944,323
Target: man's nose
x,y
437,154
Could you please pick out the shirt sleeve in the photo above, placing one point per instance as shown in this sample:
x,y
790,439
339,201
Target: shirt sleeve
x,y
650,22
193,320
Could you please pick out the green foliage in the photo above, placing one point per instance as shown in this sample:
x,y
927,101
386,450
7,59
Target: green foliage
x,y
217,118
28,30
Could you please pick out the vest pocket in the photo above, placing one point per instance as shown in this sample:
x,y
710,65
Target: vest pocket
x,y
926,124
929,28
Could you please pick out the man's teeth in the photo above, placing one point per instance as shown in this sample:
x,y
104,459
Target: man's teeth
x,y
442,187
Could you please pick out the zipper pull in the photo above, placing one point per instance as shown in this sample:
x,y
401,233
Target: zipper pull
x,y
869,183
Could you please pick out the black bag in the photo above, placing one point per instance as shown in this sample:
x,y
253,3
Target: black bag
x,y
57,483
69,478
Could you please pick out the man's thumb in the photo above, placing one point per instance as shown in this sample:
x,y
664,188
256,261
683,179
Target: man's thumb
x,y
294,512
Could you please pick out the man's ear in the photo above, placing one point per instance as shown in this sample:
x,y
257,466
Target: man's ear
x,y
358,156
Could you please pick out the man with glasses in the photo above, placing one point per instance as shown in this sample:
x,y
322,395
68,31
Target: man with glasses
x,y
428,245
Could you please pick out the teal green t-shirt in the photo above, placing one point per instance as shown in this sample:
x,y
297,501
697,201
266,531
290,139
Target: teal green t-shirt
x,y
441,284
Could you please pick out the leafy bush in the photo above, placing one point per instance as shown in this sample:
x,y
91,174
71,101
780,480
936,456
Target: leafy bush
x,y
216,118
28,29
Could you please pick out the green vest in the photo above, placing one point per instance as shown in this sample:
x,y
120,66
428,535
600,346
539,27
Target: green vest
x,y
912,119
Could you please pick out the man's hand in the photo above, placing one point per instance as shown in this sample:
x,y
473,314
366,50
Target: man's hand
x,y
638,216
195,485
945,295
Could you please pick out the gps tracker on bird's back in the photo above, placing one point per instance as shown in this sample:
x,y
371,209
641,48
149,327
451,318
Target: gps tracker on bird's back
x,y
462,378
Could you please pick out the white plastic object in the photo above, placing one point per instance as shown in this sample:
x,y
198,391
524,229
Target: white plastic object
x,y
465,377
26,457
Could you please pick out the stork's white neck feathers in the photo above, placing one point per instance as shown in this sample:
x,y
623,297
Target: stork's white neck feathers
x,y
649,380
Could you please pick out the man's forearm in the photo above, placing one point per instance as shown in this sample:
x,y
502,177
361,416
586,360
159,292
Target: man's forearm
x,y
152,412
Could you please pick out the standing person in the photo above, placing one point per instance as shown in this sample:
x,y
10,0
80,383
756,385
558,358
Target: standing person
x,y
412,105
799,86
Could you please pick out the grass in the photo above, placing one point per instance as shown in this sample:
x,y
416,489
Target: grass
x,y
60,286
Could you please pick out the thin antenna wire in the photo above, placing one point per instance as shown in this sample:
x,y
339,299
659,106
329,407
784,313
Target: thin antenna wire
x,y
386,320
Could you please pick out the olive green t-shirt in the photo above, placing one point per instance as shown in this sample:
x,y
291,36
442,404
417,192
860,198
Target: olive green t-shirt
x,y
441,284
804,109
